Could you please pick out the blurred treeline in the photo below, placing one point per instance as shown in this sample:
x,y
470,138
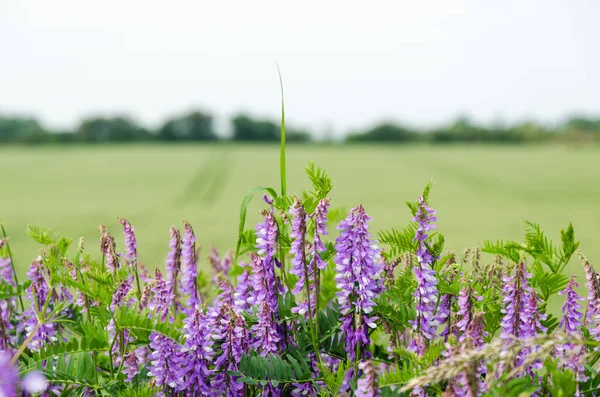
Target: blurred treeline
x,y
200,126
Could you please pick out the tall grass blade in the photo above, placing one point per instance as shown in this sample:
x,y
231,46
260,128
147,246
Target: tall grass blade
x,y
244,210
282,151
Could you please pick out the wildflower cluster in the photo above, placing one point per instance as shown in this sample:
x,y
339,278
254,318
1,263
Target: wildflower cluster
x,y
300,309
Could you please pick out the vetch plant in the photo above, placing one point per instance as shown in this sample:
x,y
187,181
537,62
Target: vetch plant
x,y
312,303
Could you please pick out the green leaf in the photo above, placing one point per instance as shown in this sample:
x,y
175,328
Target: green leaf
x,y
569,245
397,375
244,209
142,324
320,181
507,249
41,234
400,241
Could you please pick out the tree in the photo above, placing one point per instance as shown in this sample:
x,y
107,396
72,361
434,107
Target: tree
x,y
248,129
12,128
385,132
194,126
118,129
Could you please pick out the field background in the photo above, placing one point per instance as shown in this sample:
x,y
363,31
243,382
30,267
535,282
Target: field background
x,y
480,192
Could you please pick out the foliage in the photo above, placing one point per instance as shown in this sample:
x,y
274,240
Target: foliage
x,y
197,125
300,317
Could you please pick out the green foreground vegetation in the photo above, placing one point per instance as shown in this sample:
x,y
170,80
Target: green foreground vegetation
x,y
481,192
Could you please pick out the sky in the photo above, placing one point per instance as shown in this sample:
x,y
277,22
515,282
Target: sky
x,y
345,64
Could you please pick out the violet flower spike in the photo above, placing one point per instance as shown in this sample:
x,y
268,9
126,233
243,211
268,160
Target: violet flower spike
x,y
232,334
358,267
534,316
298,249
197,355
465,310
37,292
173,264
572,316
164,361
264,282
131,366
320,217
267,233
6,272
443,315
131,255
163,297
108,249
9,377
426,295
243,295
189,267
472,383
515,322
368,385
122,291
265,331
571,323
593,300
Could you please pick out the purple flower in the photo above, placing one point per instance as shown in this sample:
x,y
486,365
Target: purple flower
x,y
267,199
465,311
6,272
264,282
266,337
231,335
515,322
37,292
163,297
572,356
173,264
131,366
189,267
243,295
368,385
316,263
164,360
471,383
533,316
521,313
358,269
34,382
9,378
443,315
426,294
108,249
298,248
121,293
320,217
220,266
226,263
197,355
266,238
572,317
6,309
131,255
592,312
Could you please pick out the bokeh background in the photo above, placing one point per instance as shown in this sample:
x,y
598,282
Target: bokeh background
x,y
161,112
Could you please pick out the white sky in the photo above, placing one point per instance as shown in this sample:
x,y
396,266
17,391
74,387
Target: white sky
x,y
345,63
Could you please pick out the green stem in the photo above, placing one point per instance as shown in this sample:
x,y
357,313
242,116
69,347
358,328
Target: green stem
x,y
12,264
137,279
26,342
121,350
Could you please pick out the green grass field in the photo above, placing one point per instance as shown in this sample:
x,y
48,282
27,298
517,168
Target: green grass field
x,y
480,192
